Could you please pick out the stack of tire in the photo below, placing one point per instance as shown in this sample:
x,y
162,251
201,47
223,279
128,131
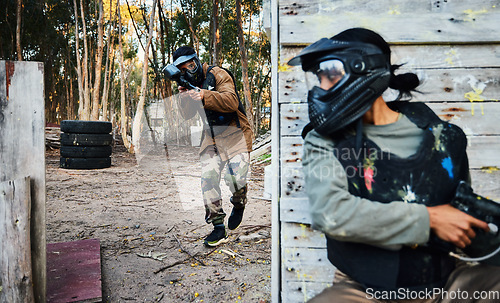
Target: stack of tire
x,y
85,144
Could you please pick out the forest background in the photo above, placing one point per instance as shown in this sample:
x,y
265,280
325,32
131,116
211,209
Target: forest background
x,y
94,52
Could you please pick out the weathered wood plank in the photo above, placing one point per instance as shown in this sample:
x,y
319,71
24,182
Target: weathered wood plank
x,y
295,210
292,181
301,292
471,22
307,264
293,7
22,146
446,56
16,283
483,151
475,118
428,56
293,118
438,85
301,235
74,271
485,182
291,151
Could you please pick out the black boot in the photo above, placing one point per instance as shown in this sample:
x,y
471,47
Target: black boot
x,y
217,237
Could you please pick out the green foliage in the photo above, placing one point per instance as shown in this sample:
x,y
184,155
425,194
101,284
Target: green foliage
x,y
264,158
48,35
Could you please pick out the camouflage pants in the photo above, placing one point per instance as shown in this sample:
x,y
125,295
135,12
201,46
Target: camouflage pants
x,y
235,176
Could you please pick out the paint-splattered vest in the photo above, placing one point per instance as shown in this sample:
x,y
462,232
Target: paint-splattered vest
x,y
429,177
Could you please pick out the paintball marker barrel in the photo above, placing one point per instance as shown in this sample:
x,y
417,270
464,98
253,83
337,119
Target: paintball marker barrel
x,y
173,73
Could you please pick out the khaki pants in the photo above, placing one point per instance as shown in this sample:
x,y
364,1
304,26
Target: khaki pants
x,y
479,283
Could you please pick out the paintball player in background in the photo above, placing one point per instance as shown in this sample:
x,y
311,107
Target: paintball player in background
x,y
226,140
379,179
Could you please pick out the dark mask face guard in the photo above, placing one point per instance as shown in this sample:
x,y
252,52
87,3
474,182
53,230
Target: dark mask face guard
x,y
353,75
193,74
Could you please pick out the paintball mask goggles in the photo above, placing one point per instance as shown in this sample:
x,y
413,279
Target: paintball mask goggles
x,y
343,78
190,76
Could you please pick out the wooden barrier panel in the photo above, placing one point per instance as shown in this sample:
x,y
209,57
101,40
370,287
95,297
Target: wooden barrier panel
x,y
15,261
404,21
22,149
438,85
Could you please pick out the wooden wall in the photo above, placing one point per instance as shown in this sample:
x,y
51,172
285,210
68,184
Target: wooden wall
x,y
22,155
454,48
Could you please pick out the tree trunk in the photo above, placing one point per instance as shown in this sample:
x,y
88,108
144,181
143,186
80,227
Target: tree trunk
x,y
244,65
86,91
123,107
194,36
215,34
107,79
165,87
78,65
136,129
18,30
107,70
98,64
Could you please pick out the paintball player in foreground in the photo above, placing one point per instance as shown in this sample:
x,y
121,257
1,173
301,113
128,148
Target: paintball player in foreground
x,y
380,177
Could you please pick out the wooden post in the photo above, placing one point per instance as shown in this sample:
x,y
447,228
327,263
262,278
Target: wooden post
x,y
15,262
275,156
22,150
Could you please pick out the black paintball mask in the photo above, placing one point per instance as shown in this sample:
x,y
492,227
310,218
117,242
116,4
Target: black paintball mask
x,y
344,79
194,71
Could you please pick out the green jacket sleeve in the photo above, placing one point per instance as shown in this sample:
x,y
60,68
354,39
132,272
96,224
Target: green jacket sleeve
x,y
346,217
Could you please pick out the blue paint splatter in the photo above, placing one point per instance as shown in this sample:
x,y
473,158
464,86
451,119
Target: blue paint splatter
x,y
448,165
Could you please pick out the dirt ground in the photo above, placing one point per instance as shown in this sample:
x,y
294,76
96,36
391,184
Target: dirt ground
x,y
149,218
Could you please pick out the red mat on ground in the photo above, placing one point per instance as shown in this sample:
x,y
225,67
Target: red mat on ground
x,y
74,271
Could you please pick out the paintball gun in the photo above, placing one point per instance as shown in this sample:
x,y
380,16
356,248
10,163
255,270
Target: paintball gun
x,y
172,73
485,247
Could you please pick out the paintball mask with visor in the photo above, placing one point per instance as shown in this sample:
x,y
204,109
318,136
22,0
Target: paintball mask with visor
x,y
344,79
193,72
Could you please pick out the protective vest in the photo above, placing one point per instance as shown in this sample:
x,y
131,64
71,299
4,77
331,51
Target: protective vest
x,y
428,177
218,121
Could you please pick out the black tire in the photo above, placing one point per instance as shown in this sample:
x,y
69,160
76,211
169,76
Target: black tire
x,y
86,127
86,139
85,163
85,151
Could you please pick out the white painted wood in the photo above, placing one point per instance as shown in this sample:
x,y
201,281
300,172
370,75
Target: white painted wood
x,y
483,151
301,235
295,210
292,181
438,85
402,22
307,264
22,148
446,56
427,56
301,292
293,118
15,263
275,146
475,118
